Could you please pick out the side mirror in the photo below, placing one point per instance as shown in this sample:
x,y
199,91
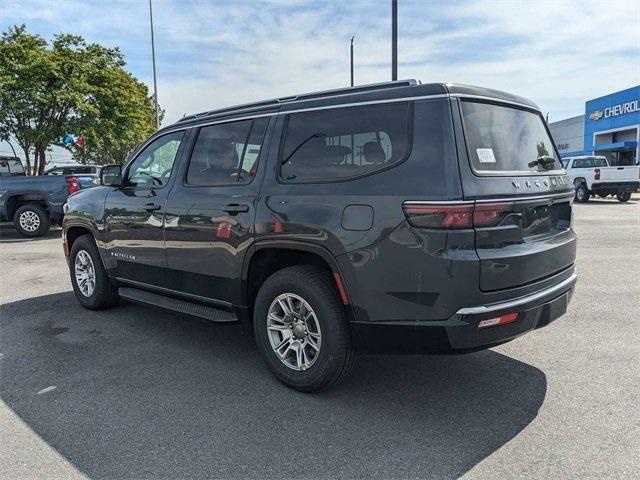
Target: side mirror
x,y
111,175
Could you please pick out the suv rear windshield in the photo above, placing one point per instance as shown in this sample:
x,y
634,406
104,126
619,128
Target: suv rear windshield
x,y
503,139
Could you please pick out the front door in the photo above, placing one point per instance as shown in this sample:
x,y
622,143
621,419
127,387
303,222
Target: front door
x,y
134,213
211,210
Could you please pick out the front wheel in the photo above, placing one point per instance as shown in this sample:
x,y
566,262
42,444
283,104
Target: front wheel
x,y
31,220
623,196
582,194
302,329
93,288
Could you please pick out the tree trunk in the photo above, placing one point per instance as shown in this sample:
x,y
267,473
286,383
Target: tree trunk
x,y
43,161
27,160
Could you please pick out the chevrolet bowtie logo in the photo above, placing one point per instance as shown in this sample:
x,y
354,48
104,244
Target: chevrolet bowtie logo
x,y
597,115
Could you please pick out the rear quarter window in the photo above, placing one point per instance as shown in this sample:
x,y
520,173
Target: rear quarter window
x,y
344,143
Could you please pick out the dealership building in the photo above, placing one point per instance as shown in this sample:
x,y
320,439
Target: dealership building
x,y
609,127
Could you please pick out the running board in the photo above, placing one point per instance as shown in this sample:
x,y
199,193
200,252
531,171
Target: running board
x,y
181,306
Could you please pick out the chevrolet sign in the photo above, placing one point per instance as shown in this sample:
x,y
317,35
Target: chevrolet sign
x,y
615,110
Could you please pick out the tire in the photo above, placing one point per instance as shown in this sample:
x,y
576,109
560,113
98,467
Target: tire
x,y
31,220
104,293
582,194
623,196
327,326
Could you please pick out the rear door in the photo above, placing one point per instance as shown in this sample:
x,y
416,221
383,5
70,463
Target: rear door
x,y
522,217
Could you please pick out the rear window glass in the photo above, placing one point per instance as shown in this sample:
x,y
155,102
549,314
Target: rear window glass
x,y
326,145
589,162
504,139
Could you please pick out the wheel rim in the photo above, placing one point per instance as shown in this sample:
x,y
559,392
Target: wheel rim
x,y
29,221
580,193
85,273
294,331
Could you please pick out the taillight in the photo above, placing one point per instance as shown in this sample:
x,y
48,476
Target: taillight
x,y
439,216
455,216
72,185
597,172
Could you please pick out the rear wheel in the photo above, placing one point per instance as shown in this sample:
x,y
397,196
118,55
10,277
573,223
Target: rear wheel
x,y
302,329
31,220
623,196
582,194
93,288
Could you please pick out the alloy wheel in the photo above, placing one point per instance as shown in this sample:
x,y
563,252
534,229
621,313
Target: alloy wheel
x,y
85,273
29,221
294,331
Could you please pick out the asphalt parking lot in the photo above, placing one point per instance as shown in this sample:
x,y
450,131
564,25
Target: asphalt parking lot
x,y
135,392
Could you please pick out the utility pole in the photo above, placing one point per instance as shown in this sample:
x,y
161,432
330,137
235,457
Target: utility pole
x,y
153,60
352,60
394,39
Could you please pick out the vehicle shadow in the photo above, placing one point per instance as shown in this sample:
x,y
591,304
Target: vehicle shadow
x,y
142,393
8,234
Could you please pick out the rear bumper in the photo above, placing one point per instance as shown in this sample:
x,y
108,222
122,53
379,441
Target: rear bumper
x,y
615,187
460,333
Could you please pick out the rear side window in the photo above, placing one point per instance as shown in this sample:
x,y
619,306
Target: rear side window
x,y
507,140
227,153
342,143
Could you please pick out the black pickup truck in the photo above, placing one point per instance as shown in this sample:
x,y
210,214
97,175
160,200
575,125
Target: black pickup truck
x,y
34,202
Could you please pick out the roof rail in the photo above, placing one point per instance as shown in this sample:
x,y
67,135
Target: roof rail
x,y
305,96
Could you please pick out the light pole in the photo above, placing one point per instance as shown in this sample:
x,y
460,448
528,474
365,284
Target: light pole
x,y
394,39
153,60
351,48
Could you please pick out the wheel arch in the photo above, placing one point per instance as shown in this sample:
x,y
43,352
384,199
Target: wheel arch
x,y
267,257
18,199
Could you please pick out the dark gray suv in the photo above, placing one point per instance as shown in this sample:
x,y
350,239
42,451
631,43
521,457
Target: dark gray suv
x,y
397,217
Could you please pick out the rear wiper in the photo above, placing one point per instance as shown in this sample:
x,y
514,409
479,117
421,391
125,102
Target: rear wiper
x,y
315,135
544,161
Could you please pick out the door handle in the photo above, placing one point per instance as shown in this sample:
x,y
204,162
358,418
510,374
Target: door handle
x,y
152,207
235,208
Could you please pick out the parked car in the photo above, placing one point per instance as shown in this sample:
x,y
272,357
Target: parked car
x,y
11,167
34,202
397,217
592,175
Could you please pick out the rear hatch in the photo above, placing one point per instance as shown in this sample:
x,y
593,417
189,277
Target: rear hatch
x,y
522,213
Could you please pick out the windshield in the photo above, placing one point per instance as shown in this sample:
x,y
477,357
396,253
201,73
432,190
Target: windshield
x,y
504,139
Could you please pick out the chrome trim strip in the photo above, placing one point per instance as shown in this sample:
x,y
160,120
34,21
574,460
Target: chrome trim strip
x,y
525,199
497,100
489,200
438,202
520,301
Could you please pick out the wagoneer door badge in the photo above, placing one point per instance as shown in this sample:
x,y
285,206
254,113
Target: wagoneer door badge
x,y
124,256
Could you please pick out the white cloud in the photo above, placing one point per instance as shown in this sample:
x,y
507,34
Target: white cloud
x,y
210,54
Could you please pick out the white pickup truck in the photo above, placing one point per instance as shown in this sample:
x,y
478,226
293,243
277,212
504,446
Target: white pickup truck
x,y
593,176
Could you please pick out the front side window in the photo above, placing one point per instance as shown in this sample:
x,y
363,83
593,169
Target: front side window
x,y
153,166
341,143
227,153
509,140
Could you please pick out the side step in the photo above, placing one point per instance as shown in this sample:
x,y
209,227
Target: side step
x,y
168,303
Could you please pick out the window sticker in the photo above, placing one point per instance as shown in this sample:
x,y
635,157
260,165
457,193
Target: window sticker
x,y
485,155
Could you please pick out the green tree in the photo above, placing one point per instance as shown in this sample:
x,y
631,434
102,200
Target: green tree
x,y
70,86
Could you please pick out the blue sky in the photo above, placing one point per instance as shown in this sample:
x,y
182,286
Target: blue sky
x,y
215,53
